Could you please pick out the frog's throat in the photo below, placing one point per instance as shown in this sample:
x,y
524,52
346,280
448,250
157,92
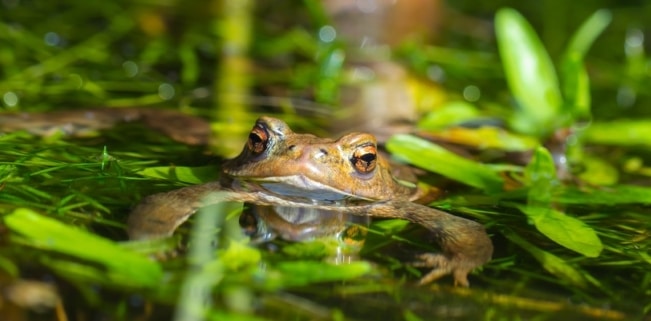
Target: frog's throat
x,y
301,189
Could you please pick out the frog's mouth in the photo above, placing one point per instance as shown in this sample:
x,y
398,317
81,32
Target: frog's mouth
x,y
302,189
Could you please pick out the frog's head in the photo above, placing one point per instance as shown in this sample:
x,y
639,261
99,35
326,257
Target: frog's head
x,y
304,165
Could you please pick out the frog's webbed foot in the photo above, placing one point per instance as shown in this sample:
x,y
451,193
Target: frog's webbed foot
x,y
465,246
442,266
464,243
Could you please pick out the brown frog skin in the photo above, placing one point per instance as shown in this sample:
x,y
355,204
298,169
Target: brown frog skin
x,y
282,169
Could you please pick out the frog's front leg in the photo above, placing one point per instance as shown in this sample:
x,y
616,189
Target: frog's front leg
x,y
158,215
464,243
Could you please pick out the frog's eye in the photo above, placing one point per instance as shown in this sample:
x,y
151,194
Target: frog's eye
x,y
365,158
258,140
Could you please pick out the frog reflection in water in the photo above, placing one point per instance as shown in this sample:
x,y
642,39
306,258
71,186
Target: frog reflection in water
x,y
281,169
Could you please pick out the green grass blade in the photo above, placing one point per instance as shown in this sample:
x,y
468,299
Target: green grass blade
x,y
589,31
565,230
120,264
619,133
529,73
576,87
437,159
190,175
451,113
610,196
550,262
576,84
540,175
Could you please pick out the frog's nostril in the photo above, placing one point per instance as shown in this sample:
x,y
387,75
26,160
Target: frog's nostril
x,y
314,153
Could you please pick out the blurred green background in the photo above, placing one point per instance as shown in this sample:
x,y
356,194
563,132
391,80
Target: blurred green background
x,y
328,67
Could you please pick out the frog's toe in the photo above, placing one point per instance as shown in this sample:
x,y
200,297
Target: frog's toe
x,y
442,266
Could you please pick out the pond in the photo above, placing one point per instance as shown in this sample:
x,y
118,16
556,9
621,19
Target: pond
x,y
527,120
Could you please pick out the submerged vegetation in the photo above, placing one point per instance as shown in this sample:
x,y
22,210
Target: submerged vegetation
x,y
545,142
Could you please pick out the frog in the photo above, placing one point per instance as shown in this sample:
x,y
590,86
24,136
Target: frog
x,y
281,170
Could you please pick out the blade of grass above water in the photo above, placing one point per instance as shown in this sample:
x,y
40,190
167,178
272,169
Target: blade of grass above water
x,y
451,113
576,83
485,137
585,36
51,235
437,159
563,229
608,195
550,262
620,133
530,74
190,175
540,175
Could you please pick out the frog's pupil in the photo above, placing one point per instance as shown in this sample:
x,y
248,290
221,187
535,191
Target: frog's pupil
x,y
365,163
256,143
255,139
368,157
